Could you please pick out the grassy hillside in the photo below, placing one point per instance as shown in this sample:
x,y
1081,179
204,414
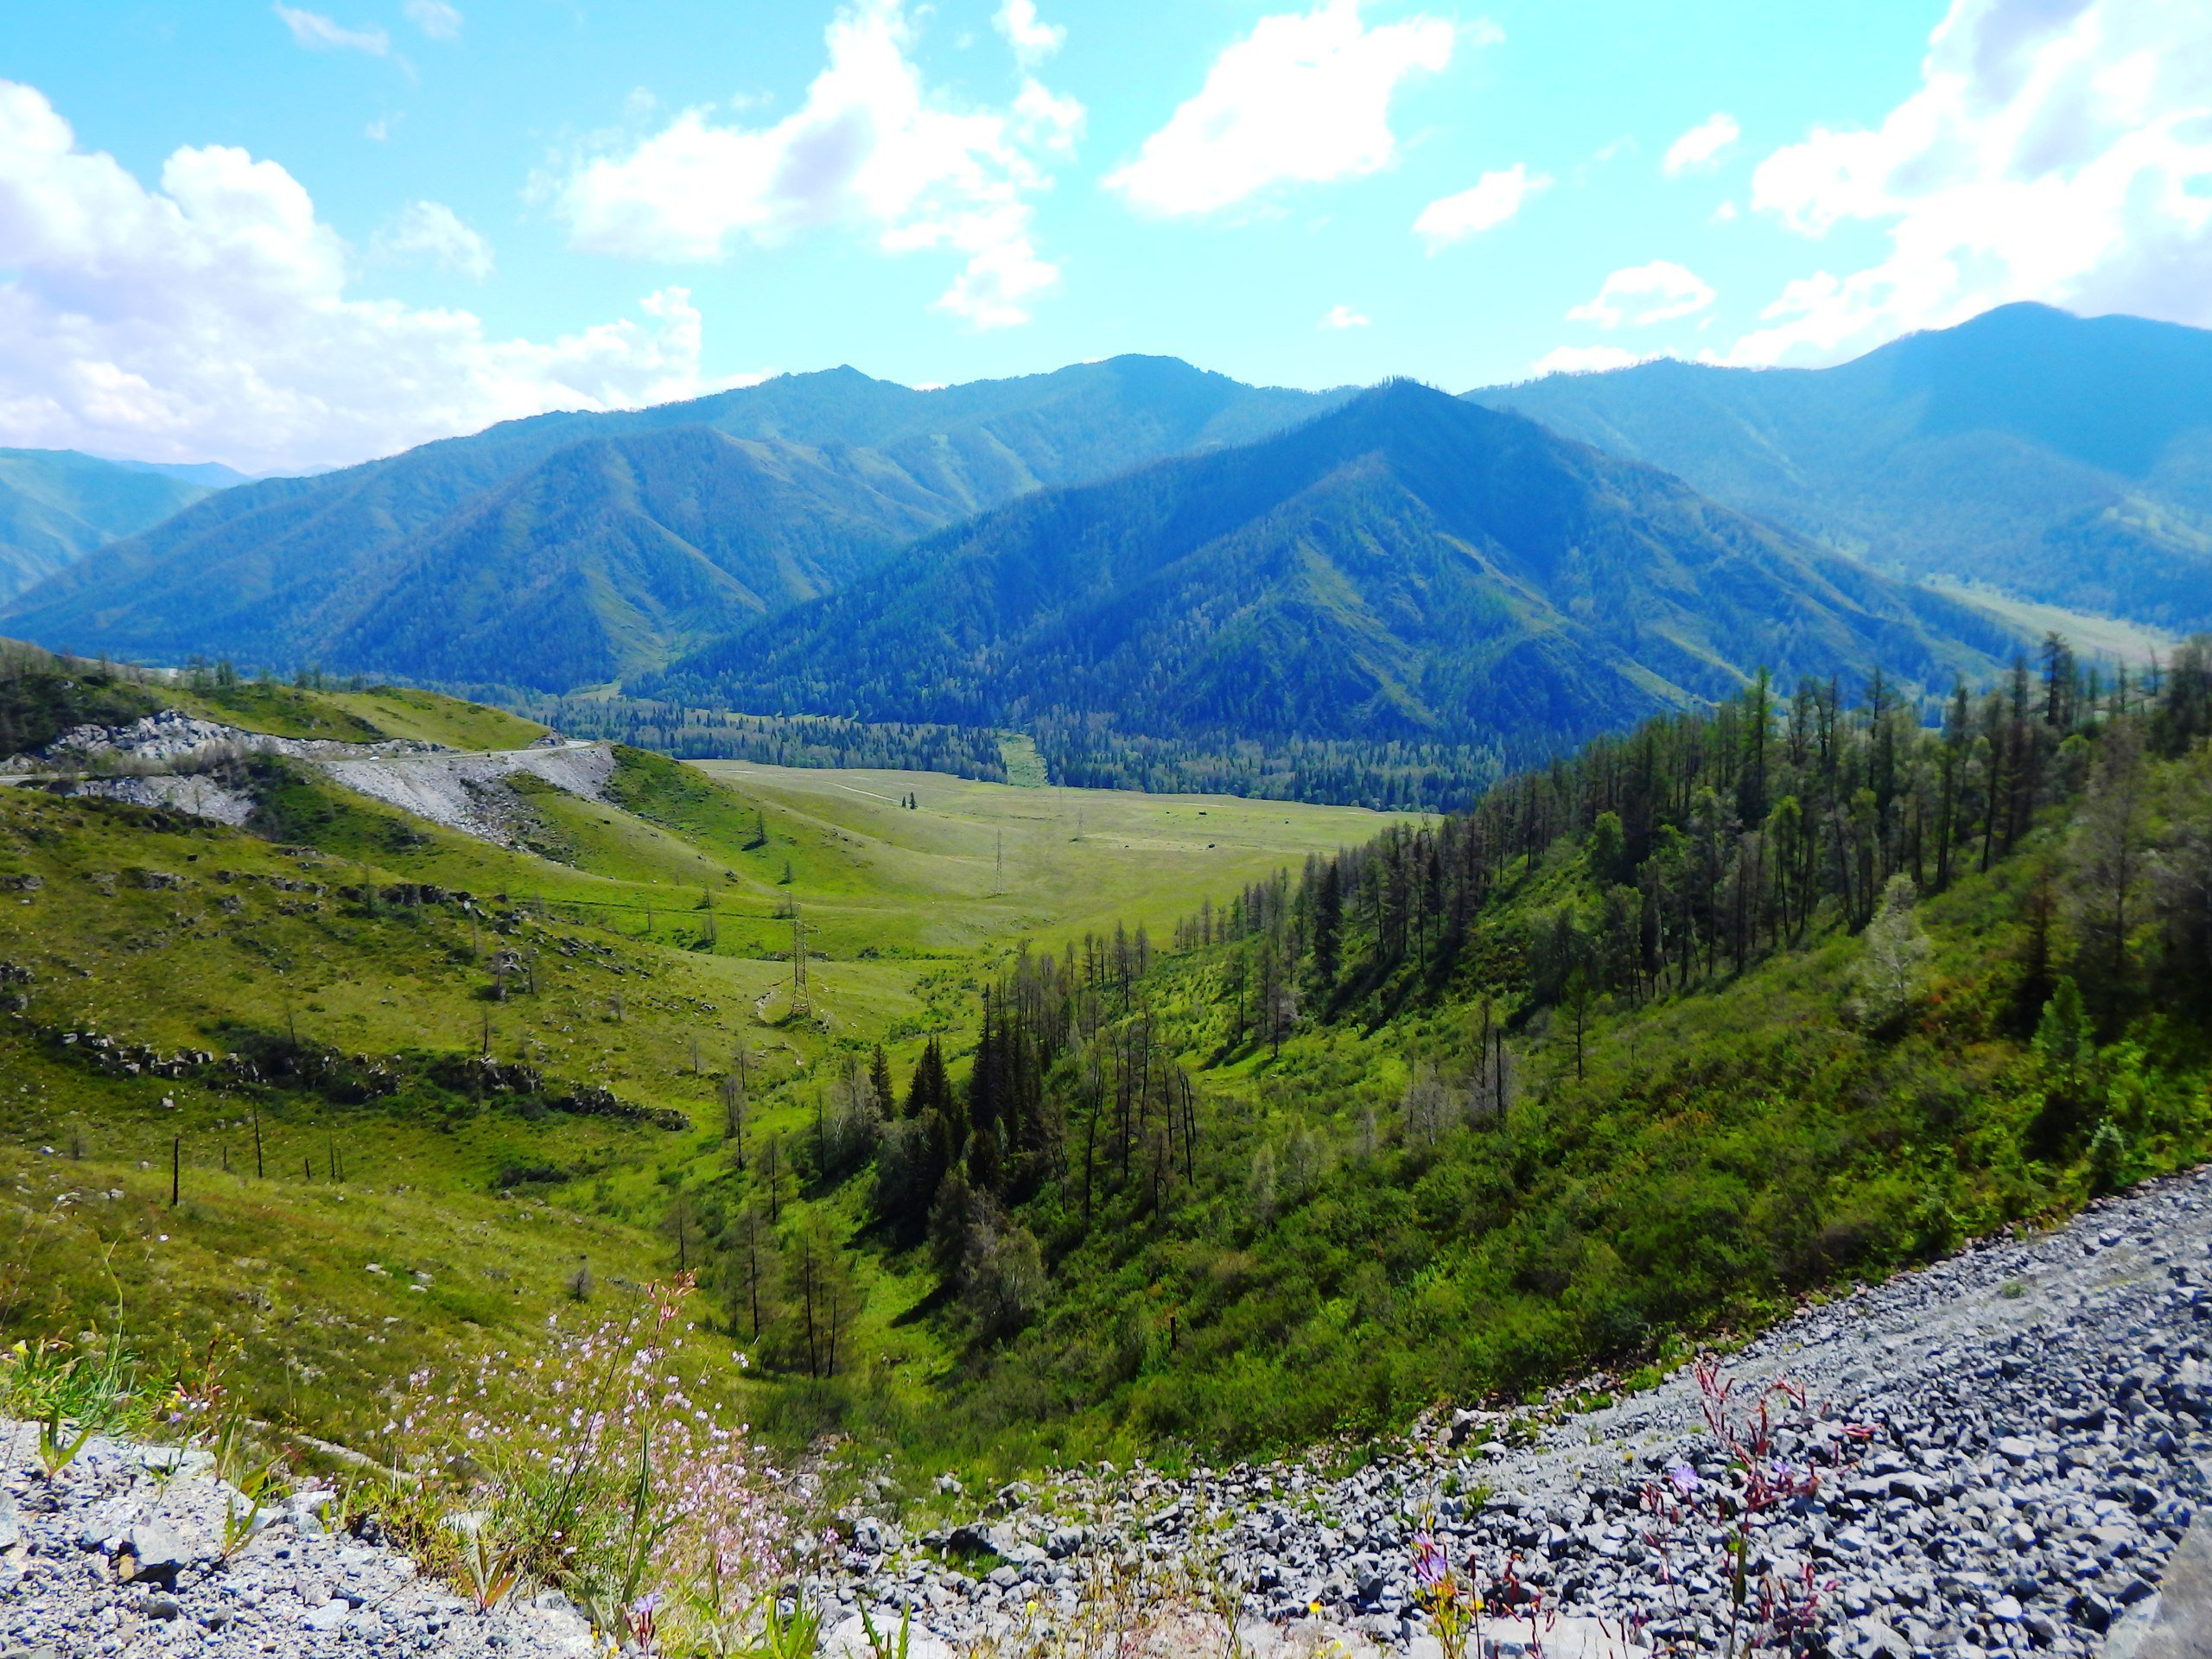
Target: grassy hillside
x,y
2111,639
1256,1140
368,965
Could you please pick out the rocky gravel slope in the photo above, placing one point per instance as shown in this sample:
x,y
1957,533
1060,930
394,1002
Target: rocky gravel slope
x,y
471,792
2033,1415
2009,1448
123,1553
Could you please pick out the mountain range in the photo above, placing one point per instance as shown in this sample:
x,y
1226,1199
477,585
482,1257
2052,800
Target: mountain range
x,y
1137,549
2062,459
56,506
1408,567
572,550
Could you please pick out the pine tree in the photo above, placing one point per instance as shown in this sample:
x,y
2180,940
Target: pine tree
x,y
879,1075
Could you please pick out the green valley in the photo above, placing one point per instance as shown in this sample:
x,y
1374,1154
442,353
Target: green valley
x,y
1113,1123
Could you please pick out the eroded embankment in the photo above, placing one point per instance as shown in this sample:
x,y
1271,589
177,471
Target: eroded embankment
x,y
472,793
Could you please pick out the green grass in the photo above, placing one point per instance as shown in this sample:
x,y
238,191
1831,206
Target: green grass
x,y
1025,766
381,711
661,942
977,864
2116,638
431,717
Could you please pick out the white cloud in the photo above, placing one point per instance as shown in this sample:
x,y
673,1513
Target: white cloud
x,y
1304,98
319,33
1658,292
2058,150
1343,316
1032,42
1584,360
1724,214
433,232
1495,198
436,18
1702,144
870,150
210,317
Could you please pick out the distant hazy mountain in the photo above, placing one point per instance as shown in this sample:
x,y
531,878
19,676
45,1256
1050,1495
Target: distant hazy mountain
x,y
1409,568
571,549
208,475
57,506
2065,459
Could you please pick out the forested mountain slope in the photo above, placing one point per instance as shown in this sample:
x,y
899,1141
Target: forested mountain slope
x,y
2063,459
57,506
1409,574
626,536
1650,1042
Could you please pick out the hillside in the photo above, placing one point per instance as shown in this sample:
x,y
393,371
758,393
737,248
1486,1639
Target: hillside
x,y
377,1039
1391,603
2061,459
57,506
1648,1044
573,549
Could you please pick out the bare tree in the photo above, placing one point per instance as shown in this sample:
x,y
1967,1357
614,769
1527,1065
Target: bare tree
x,y
1892,971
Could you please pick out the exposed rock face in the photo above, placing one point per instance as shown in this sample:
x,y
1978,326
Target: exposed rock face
x,y
200,794
173,761
473,793
169,737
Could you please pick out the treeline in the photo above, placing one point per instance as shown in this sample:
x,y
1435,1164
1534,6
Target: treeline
x,y
1090,753
1071,1104
691,734
1707,838
43,695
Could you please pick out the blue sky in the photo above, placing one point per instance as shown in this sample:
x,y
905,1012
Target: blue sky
x,y
295,235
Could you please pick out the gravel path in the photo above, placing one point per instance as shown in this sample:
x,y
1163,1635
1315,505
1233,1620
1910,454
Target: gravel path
x,y
2029,1449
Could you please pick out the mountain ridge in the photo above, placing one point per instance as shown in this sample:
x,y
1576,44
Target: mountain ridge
x,y
1407,568
57,506
2067,459
294,570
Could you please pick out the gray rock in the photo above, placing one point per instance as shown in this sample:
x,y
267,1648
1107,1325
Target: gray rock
x,y
154,1552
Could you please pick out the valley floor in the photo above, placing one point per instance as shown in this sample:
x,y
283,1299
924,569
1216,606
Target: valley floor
x,y
2009,1446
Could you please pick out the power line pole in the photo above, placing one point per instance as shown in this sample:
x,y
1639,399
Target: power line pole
x,y
800,1002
